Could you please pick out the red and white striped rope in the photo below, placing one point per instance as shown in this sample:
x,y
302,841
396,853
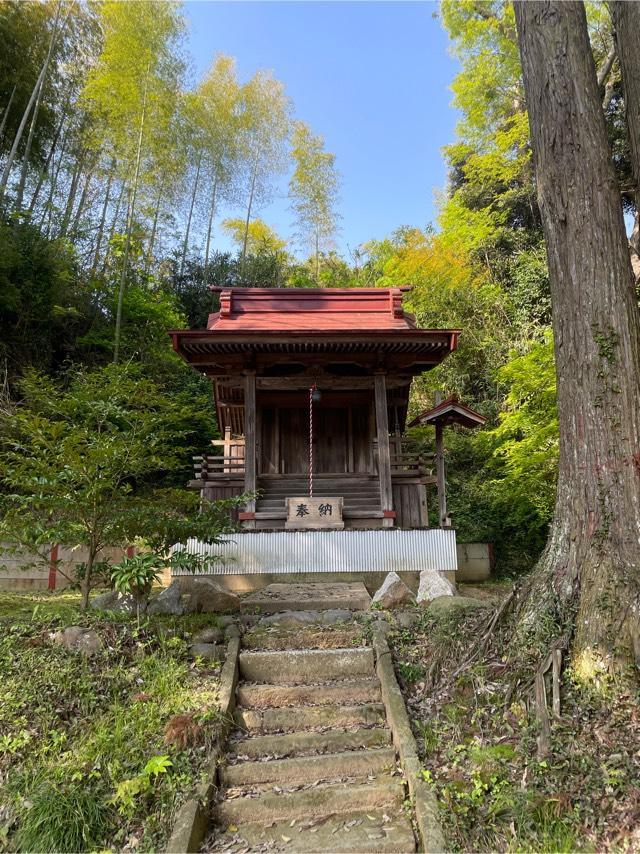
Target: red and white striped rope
x,y
311,390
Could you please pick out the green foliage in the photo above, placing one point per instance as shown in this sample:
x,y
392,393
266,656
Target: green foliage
x,y
313,190
64,816
129,792
477,736
137,574
93,726
525,442
42,305
82,461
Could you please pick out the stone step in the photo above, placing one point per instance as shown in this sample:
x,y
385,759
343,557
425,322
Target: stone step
x,y
307,769
314,743
349,833
272,696
315,802
309,717
306,666
309,596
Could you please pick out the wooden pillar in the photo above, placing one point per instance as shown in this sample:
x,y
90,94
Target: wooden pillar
x,y
442,491
248,517
384,456
53,567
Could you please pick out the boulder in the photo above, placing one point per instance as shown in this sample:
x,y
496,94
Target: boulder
x,y
208,635
124,603
432,585
406,619
78,639
393,593
335,615
204,595
169,601
208,651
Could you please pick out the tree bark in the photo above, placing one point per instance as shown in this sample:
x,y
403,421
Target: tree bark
x,y
626,21
590,568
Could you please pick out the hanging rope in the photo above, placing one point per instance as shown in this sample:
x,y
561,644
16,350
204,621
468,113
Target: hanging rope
x,y
311,391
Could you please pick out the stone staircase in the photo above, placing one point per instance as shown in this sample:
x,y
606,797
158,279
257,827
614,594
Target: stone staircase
x,y
311,766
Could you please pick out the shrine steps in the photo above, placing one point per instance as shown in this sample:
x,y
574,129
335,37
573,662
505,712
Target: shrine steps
x,y
311,766
361,495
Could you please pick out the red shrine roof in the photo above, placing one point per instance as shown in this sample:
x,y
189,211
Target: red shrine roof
x,y
310,310
254,321
450,411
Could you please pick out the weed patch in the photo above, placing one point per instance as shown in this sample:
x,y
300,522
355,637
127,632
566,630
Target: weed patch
x,y
476,727
85,763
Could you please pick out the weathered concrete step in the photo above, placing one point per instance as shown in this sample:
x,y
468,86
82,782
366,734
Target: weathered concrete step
x,y
299,743
273,696
306,666
308,717
310,803
307,769
350,833
310,596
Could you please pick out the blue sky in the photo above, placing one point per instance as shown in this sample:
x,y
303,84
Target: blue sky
x,y
371,77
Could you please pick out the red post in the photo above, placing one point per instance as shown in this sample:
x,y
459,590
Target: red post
x,y
131,550
53,567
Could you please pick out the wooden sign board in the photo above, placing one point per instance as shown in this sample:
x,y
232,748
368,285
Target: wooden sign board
x,y
315,514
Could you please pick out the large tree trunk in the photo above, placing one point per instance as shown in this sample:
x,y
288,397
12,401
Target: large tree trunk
x,y
592,561
626,20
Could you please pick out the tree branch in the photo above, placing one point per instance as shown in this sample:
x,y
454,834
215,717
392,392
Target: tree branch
x,y
607,65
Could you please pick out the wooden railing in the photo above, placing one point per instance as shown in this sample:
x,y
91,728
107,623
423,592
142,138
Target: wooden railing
x,y
404,460
208,466
411,463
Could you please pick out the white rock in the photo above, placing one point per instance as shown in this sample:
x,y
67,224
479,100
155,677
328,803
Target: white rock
x,y
393,592
432,585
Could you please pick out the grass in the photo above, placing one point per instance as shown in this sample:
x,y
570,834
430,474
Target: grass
x,y
477,737
84,761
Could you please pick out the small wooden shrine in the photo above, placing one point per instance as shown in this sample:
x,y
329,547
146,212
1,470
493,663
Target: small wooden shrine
x,y
311,390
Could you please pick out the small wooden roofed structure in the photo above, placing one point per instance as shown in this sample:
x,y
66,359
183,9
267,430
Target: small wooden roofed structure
x,y
265,348
449,411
